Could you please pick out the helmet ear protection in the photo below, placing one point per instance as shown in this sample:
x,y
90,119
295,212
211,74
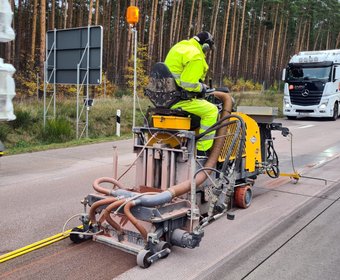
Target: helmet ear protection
x,y
206,47
206,40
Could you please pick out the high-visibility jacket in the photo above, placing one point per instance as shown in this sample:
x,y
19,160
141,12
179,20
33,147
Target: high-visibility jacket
x,y
187,64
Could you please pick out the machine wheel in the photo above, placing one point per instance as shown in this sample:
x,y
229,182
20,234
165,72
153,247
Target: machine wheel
x,y
77,238
142,258
335,111
161,246
243,197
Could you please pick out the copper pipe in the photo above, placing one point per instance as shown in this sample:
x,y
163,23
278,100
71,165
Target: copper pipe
x,y
92,212
106,215
98,188
184,187
134,221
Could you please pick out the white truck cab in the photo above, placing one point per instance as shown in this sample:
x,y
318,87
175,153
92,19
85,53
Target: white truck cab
x,y
312,85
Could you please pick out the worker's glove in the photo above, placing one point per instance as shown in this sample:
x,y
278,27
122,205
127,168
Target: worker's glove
x,y
203,91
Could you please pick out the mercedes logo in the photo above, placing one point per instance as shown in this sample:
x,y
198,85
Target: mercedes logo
x,y
305,93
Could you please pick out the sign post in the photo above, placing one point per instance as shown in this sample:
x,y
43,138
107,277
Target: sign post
x,y
132,17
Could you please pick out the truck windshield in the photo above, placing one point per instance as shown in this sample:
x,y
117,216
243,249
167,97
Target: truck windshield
x,y
308,73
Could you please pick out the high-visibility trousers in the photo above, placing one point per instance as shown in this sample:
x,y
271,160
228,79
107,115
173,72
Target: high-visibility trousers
x,y
208,113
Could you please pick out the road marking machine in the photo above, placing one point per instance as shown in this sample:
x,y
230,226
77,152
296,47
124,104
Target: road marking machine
x,y
177,193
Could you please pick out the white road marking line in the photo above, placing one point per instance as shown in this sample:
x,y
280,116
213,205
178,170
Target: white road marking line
x,y
306,126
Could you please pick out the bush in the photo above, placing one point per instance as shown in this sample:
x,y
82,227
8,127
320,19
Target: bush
x,y
23,119
57,131
4,131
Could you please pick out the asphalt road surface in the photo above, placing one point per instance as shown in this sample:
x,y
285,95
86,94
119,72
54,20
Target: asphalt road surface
x,y
289,232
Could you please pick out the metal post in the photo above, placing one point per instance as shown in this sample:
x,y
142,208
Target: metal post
x,y
54,73
45,111
134,79
87,81
78,73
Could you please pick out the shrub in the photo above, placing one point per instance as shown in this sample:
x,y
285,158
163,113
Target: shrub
x,y
4,131
57,131
23,119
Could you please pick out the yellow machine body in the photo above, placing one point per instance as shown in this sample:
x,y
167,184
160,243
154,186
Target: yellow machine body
x,y
252,151
171,122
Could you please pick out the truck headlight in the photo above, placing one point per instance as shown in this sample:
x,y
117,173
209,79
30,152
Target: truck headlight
x,y
323,105
287,103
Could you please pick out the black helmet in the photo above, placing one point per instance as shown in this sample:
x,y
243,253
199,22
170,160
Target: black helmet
x,y
205,37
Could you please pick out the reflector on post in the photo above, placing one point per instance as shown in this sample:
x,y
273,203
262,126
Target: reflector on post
x,y
132,15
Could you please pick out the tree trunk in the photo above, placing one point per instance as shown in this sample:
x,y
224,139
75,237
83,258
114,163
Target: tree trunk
x,y
42,36
97,12
70,14
241,38
190,25
52,22
65,14
199,18
160,35
152,31
232,38
34,28
89,22
224,41
269,66
172,23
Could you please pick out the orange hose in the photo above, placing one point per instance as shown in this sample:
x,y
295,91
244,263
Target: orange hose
x,y
98,188
134,221
106,215
92,212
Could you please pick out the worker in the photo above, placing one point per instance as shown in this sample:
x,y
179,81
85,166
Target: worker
x,y
186,62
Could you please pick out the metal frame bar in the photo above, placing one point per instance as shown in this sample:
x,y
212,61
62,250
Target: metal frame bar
x,y
47,78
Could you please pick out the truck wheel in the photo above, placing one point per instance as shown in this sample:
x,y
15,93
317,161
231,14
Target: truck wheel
x,y
291,118
335,111
243,197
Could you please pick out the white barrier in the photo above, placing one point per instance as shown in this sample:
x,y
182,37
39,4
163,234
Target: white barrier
x,y
6,31
7,91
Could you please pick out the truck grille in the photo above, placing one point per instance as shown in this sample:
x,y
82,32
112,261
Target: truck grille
x,y
297,98
306,93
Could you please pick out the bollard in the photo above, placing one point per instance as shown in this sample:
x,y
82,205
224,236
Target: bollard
x,y
118,123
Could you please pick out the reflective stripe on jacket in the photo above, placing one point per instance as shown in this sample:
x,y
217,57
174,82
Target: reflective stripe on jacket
x,y
187,64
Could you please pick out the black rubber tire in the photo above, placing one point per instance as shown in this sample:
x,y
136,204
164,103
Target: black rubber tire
x,y
142,258
243,197
76,238
161,246
335,112
291,118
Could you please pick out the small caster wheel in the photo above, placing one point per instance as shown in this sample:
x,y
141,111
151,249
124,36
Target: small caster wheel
x,y
243,197
161,246
77,238
142,258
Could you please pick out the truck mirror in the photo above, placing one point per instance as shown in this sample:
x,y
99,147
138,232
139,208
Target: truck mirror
x,y
337,73
284,74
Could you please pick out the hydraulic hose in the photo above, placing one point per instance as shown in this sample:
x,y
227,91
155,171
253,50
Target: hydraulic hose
x,y
106,215
98,188
92,212
133,220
